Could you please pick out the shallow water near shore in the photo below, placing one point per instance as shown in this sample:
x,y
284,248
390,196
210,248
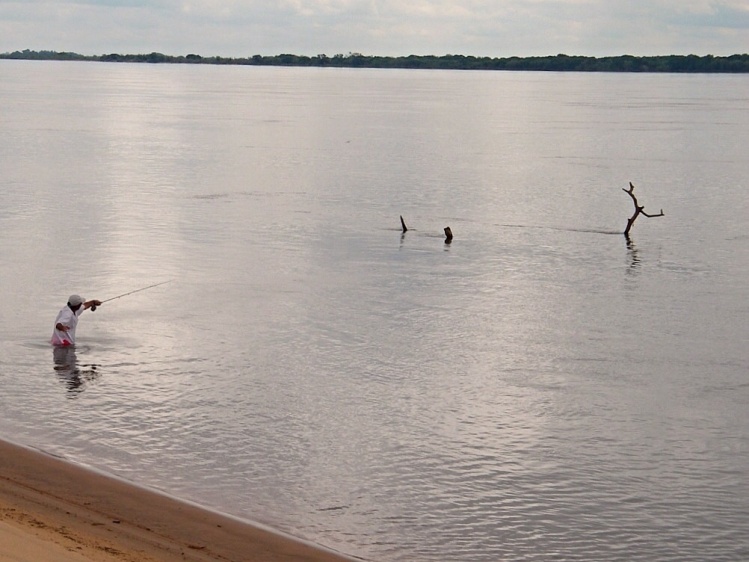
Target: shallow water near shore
x,y
541,388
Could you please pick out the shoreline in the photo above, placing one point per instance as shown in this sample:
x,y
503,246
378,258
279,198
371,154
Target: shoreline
x,y
737,63
52,510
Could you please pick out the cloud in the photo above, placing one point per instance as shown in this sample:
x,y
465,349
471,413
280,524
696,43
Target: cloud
x,y
379,27
728,15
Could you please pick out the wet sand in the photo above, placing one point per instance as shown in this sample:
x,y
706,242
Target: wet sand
x,y
54,511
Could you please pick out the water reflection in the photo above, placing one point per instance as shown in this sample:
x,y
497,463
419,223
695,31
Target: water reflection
x,y
633,259
74,376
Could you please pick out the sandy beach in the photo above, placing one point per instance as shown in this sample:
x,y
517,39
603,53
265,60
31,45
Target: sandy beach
x,y
54,511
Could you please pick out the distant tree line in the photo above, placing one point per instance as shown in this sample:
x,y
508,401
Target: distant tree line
x,y
555,63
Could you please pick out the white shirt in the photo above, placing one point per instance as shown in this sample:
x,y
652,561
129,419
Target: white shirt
x,y
68,318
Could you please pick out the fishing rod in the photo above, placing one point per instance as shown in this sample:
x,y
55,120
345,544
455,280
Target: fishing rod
x,y
93,307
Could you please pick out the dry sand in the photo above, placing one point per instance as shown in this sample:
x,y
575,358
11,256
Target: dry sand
x,y
54,511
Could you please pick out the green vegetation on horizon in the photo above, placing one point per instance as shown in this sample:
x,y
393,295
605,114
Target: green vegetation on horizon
x,y
556,63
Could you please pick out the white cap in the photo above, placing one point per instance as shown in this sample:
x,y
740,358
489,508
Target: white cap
x,y
75,300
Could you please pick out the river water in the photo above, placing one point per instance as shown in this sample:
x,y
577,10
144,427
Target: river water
x,y
539,389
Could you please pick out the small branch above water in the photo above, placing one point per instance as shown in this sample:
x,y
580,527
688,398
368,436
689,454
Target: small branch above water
x,y
639,210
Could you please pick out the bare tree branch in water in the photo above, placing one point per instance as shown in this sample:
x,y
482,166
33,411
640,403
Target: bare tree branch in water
x,y
639,209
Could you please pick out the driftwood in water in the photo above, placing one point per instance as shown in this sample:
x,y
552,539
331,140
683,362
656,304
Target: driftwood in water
x,y
448,232
639,209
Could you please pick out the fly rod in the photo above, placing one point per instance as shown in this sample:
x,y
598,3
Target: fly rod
x,y
93,307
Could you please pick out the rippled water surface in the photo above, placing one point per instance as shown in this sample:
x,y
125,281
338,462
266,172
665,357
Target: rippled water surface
x,y
539,389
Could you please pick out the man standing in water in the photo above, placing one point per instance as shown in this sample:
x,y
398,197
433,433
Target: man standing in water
x,y
67,320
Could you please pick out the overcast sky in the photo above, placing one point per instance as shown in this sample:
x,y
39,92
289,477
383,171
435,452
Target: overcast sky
x,y
495,28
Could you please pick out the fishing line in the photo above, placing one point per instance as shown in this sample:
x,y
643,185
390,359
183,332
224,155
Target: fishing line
x,y
93,307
